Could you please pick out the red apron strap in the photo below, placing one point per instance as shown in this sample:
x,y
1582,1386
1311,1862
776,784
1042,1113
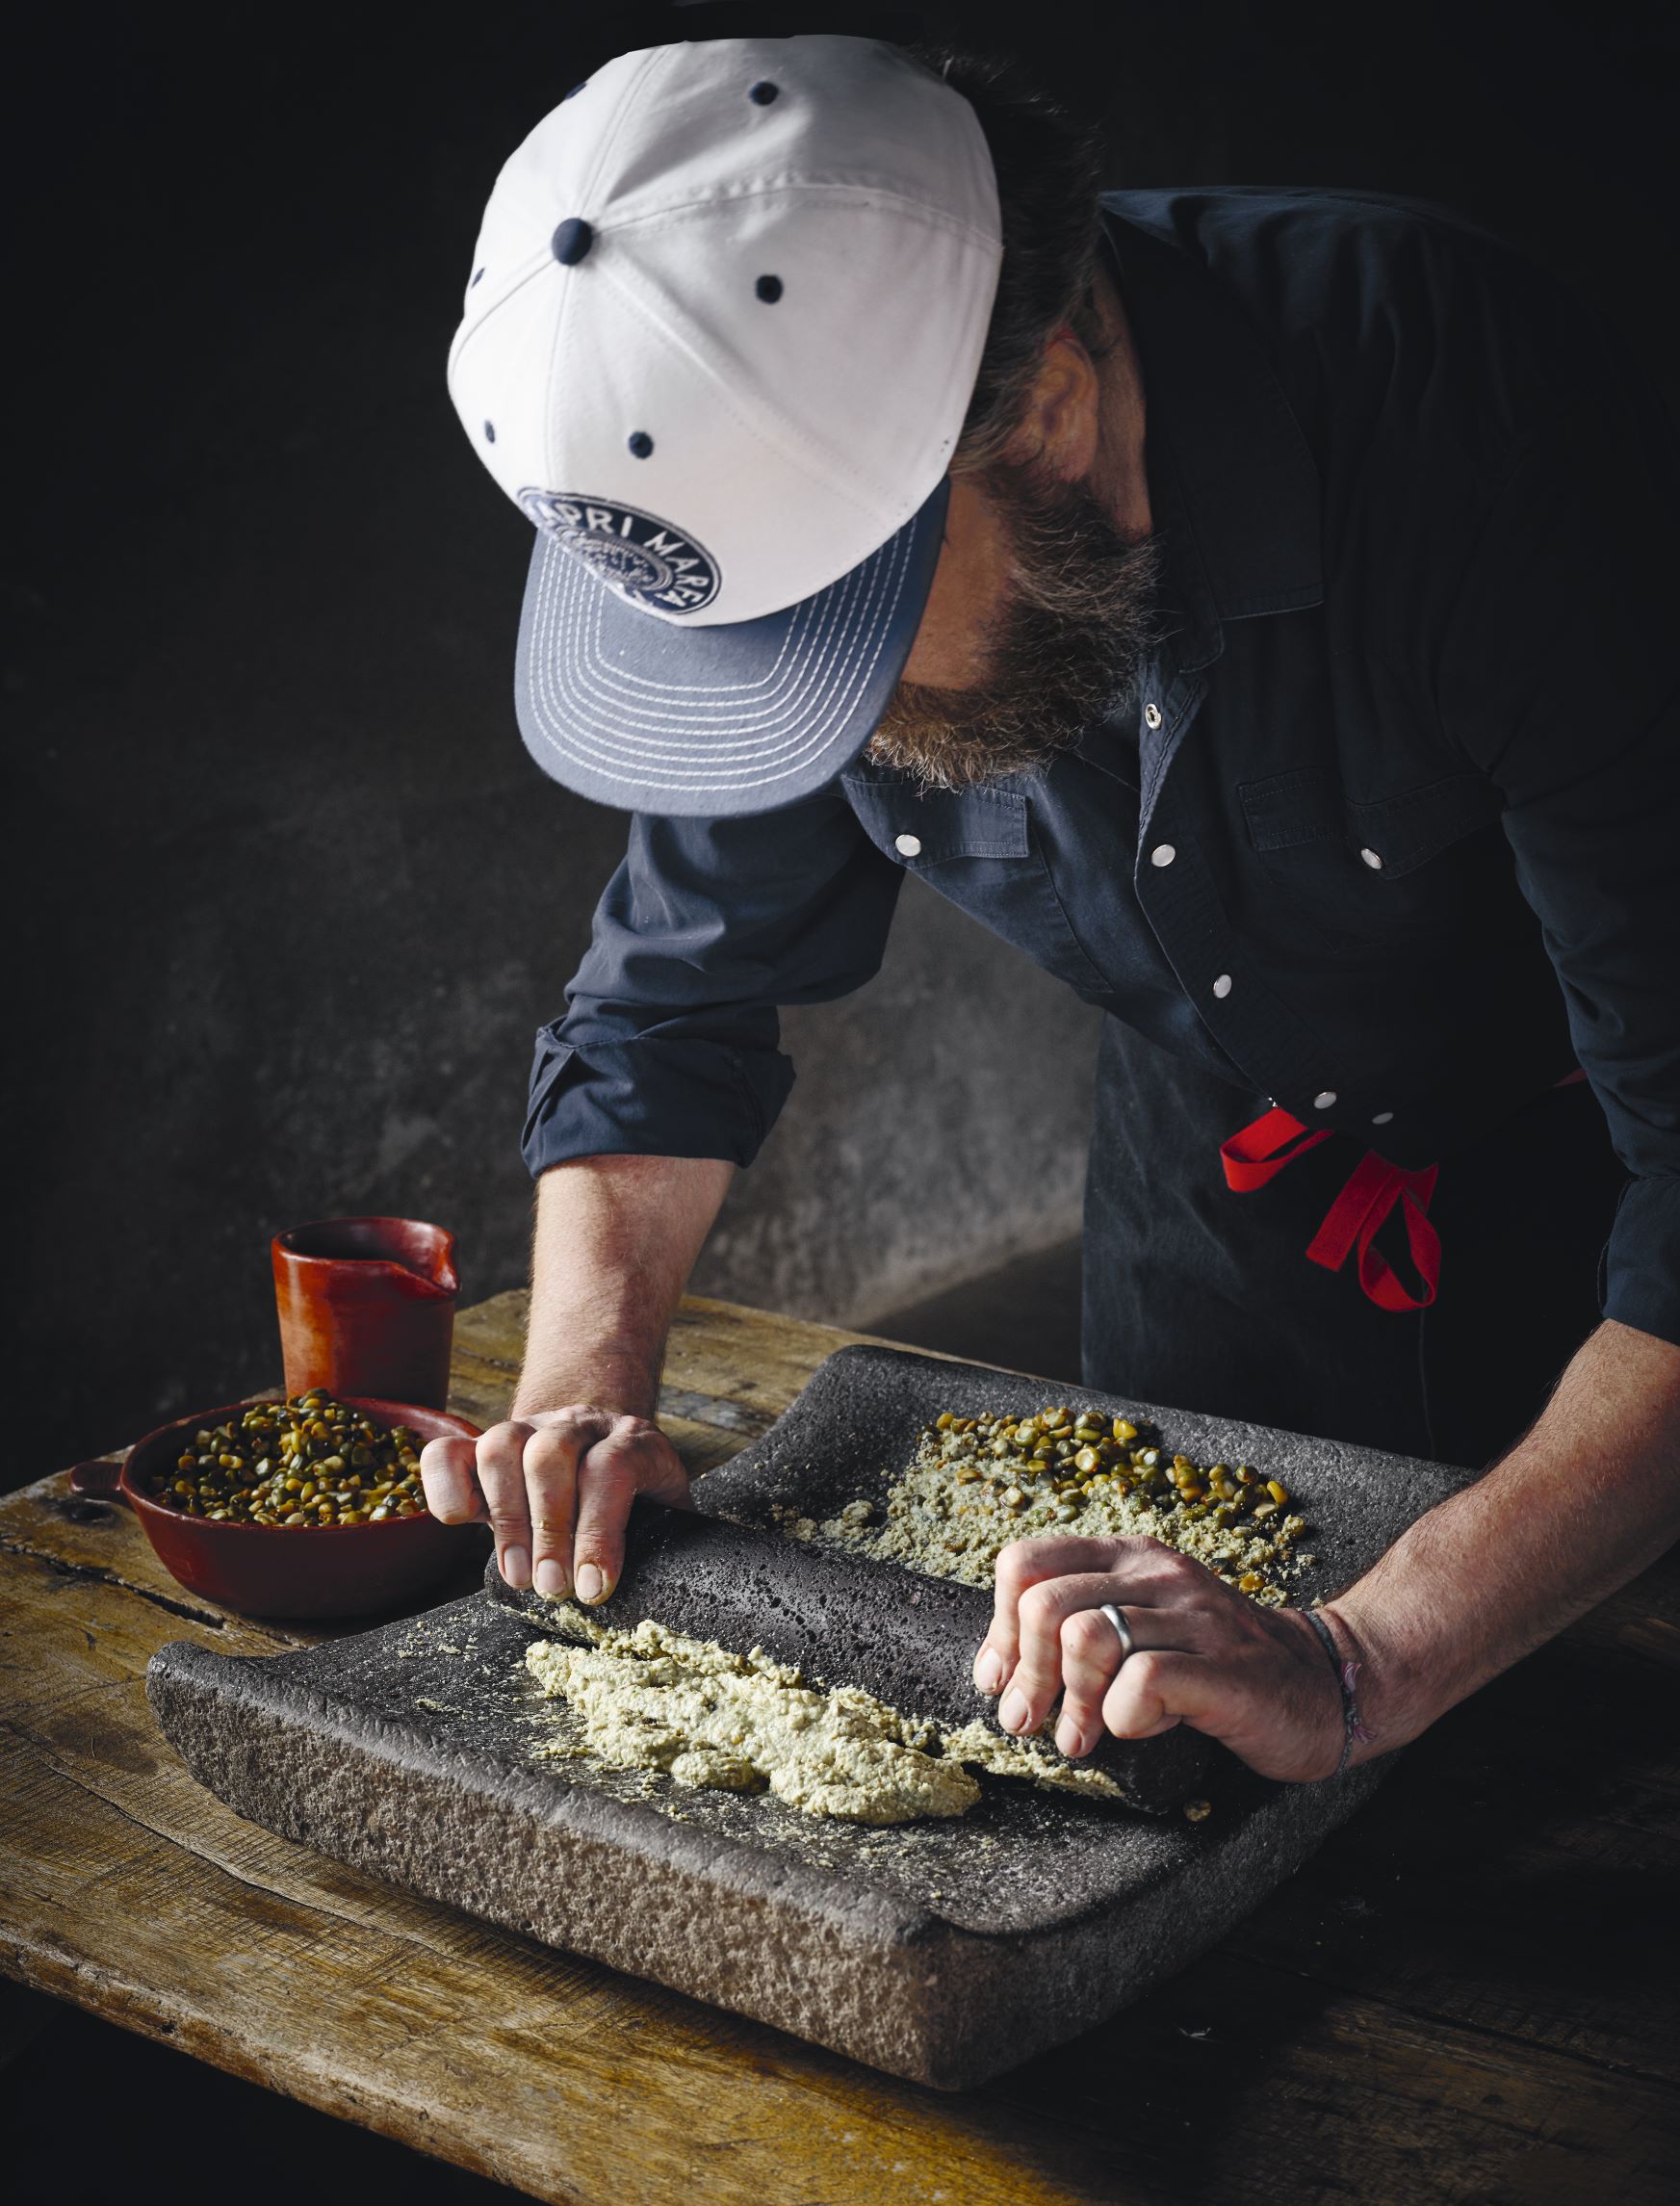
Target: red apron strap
x,y
1251,1156
1258,1153
1373,1189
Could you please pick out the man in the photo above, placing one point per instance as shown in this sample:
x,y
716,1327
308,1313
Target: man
x,y
1252,604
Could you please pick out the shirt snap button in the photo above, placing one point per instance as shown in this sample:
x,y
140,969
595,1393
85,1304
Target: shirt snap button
x,y
1222,986
1325,1100
907,846
1382,1118
1373,859
1152,715
1163,854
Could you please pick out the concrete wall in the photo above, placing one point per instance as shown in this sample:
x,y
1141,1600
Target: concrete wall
x,y
291,896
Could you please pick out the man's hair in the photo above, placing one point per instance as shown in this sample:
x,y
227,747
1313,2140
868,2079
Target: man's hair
x,y
1049,171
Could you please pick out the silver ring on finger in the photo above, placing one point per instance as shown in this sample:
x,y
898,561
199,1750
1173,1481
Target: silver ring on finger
x,y
1127,1644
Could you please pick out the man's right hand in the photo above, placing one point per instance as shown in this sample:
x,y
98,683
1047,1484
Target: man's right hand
x,y
616,1238
555,1487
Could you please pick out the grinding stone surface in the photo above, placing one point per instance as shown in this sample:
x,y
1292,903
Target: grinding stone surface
x,y
840,1620
941,1952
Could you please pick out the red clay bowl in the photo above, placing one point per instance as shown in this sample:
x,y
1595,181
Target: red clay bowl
x,y
263,1569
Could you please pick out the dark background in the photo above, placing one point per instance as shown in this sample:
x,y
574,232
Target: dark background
x,y
290,898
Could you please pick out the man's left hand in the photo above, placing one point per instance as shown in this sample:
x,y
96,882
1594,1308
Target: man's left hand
x,y
1255,1678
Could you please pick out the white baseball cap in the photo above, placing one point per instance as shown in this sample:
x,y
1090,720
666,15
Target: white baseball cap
x,y
724,318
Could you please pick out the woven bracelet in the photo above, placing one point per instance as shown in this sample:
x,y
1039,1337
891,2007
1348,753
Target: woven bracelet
x,y
1346,1673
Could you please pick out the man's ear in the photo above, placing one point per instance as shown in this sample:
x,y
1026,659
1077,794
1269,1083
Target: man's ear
x,y
1059,429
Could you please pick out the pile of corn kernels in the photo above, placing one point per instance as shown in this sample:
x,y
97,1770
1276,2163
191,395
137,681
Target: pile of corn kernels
x,y
977,1483
309,1462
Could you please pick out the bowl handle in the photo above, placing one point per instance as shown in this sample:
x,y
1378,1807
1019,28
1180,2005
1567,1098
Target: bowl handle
x,y
98,1481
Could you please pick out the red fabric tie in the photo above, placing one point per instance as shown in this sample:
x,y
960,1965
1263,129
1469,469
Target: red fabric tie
x,y
1259,1152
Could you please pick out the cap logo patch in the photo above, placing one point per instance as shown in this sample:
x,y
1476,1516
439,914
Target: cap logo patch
x,y
645,560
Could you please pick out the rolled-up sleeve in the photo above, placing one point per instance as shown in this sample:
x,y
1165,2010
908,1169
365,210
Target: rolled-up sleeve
x,y
1557,678
668,1045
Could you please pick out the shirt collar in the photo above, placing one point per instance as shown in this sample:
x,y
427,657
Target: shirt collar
x,y
1233,488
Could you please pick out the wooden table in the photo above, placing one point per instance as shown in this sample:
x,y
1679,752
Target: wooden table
x,y
1468,1996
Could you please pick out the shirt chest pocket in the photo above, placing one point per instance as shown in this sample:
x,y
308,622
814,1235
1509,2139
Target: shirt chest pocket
x,y
1392,858
978,849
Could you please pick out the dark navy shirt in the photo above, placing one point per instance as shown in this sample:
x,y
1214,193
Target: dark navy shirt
x,y
1387,831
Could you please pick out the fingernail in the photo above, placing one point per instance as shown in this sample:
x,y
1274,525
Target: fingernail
x,y
988,1669
1070,1738
1012,1711
551,1580
591,1585
516,1567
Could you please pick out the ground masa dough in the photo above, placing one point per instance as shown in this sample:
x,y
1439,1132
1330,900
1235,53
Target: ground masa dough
x,y
655,1699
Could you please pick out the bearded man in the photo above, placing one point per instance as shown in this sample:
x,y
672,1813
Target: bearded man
x,y
1250,603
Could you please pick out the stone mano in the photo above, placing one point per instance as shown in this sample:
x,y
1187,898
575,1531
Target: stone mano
x,y
840,1620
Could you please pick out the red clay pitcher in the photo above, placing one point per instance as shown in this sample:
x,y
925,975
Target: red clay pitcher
x,y
367,1307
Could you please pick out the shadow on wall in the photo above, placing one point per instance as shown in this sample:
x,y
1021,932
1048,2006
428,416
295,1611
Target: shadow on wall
x,y
293,897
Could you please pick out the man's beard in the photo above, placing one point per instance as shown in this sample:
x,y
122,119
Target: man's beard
x,y
1077,620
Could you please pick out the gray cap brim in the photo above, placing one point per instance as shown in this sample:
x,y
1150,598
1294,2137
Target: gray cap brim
x,y
651,715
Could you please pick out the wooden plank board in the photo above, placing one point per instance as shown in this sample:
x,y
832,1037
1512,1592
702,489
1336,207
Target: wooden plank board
x,y
1463,2001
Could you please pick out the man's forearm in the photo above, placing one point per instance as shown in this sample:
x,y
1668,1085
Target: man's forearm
x,y
1581,1505
617,1239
